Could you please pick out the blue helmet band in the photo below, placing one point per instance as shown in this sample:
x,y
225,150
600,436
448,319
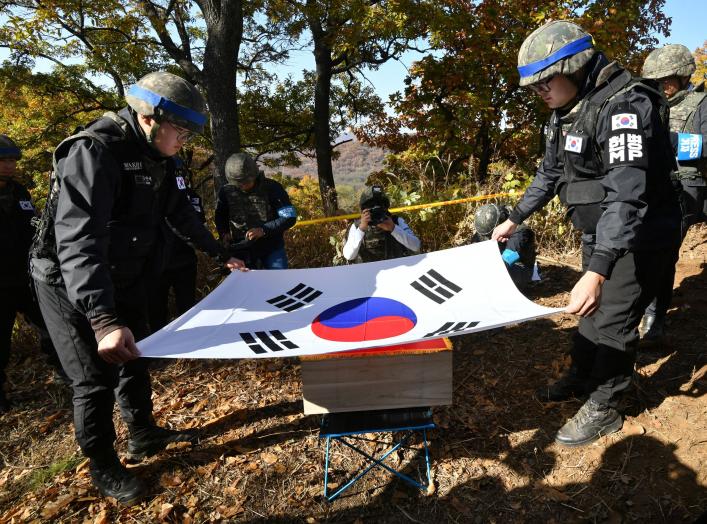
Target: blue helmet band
x,y
10,152
567,50
167,105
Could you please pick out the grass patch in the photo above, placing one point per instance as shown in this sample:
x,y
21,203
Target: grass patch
x,y
41,476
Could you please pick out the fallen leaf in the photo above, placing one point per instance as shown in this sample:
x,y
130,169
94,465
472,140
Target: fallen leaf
x,y
51,509
551,493
170,481
206,471
229,511
165,510
48,421
268,458
102,517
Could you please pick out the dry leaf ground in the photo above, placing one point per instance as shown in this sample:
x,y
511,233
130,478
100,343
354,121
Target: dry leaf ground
x,y
493,456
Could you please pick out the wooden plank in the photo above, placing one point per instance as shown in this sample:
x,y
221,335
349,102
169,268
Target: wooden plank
x,y
377,382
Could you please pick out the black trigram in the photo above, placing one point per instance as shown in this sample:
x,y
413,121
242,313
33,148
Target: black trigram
x,y
435,287
272,340
451,327
295,298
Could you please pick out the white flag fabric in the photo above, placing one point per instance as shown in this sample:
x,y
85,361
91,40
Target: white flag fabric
x,y
285,313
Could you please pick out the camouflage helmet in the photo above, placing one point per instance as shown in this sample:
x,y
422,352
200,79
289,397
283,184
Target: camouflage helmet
x,y
8,149
373,196
487,217
671,60
557,47
240,167
168,97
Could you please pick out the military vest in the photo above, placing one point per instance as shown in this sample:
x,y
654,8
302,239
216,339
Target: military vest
x,y
135,220
379,245
682,120
580,185
247,210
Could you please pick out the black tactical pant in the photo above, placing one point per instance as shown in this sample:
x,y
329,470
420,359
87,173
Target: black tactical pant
x,y
604,348
96,384
693,206
19,299
183,281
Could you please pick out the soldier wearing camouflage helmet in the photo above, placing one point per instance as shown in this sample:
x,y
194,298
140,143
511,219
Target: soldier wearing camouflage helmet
x,y
113,185
378,234
518,252
252,214
608,157
671,66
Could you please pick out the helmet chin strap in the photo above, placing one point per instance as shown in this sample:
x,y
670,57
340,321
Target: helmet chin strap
x,y
151,137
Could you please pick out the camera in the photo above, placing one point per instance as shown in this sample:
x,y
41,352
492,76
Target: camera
x,y
378,215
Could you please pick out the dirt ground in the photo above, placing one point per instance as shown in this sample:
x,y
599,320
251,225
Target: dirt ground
x,y
493,455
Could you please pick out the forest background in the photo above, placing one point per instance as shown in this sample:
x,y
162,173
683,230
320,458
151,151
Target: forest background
x,y
460,125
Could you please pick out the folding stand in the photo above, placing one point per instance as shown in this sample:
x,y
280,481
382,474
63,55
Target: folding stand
x,y
343,426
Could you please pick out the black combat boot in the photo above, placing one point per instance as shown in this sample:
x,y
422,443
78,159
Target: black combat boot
x,y
147,441
570,385
113,480
651,328
592,421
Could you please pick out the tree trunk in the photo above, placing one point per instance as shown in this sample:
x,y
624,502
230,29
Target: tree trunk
x,y
323,148
484,142
224,34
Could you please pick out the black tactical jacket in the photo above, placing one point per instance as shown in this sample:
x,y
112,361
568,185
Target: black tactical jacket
x,y
109,195
16,213
609,159
179,250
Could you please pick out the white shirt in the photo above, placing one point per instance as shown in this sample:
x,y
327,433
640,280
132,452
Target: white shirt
x,y
401,232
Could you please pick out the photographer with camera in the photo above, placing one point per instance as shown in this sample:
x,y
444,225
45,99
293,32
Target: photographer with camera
x,y
378,235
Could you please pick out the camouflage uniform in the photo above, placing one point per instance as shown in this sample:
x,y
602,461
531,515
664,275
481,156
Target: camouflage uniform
x,y
518,252
376,244
688,127
266,205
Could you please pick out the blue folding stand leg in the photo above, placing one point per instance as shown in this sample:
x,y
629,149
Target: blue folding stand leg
x,y
343,426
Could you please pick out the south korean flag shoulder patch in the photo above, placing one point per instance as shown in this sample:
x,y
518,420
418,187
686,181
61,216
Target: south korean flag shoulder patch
x,y
624,121
625,144
574,143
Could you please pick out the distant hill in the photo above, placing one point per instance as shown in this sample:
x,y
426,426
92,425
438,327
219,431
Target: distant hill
x,y
356,161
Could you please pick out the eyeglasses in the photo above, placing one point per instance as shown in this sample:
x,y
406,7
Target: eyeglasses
x,y
543,86
183,135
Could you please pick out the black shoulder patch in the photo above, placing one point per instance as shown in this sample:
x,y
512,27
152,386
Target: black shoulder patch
x,y
626,141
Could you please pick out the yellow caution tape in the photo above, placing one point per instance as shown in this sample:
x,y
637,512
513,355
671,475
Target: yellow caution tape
x,y
407,208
